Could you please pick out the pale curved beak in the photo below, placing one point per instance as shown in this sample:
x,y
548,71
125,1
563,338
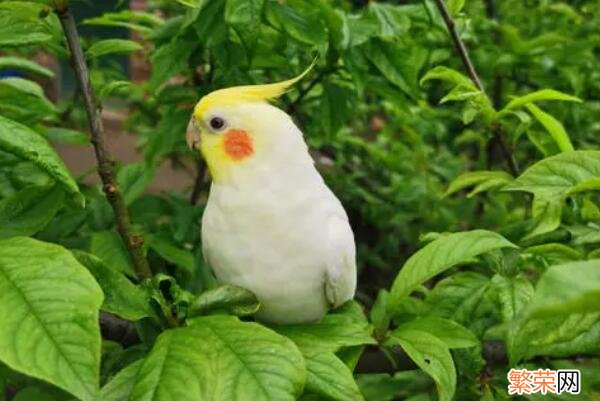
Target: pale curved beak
x,y
192,135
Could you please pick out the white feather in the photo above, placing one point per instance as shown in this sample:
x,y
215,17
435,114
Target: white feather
x,y
275,228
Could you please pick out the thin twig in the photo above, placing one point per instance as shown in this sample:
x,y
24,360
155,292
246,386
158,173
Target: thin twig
x,y
105,162
463,53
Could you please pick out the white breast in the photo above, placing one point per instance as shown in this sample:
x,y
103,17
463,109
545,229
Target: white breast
x,y
275,239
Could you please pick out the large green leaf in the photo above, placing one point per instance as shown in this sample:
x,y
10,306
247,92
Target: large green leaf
x,y
430,354
568,288
552,179
329,377
21,141
219,358
112,46
555,176
29,210
440,255
49,312
121,296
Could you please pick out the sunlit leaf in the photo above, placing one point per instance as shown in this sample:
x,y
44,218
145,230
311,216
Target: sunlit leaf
x,y
49,311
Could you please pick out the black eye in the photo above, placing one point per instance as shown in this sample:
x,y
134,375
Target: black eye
x,y
217,123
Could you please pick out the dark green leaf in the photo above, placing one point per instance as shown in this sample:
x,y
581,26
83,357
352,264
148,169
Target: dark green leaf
x,y
29,210
121,296
431,355
28,145
232,299
108,246
440,255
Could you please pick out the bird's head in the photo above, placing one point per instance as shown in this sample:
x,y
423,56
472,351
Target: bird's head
x,y
236,128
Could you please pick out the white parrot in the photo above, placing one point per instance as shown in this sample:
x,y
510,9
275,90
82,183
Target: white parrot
x,y
271,224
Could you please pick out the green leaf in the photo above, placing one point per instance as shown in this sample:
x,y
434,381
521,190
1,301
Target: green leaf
x,y
559,336
513,293
112,87
440,255
230,298
538,96
300,20
139,21
49,311
482,180
329,377
109,247
566,289
448,75
21,27
553,126
121,296
169,60
25,65
333,332
120,386
244,13
451,333
29,210
555,253
168,251
458,296
28,145
112,46
220,358
552,179
394,64
65,135
455,6
35,393
392,20
133,180
432,356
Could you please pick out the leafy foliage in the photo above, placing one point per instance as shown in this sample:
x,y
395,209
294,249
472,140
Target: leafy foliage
x,y
468,264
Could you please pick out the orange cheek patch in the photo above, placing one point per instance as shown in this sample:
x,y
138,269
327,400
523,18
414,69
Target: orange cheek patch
x,y
238,144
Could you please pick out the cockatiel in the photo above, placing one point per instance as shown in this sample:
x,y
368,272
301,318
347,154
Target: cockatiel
x,y
271,224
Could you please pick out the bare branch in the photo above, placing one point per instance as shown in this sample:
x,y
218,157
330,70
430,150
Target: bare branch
x,y
463,53
105,162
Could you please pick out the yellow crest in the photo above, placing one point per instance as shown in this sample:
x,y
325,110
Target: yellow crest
x,y
246,93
